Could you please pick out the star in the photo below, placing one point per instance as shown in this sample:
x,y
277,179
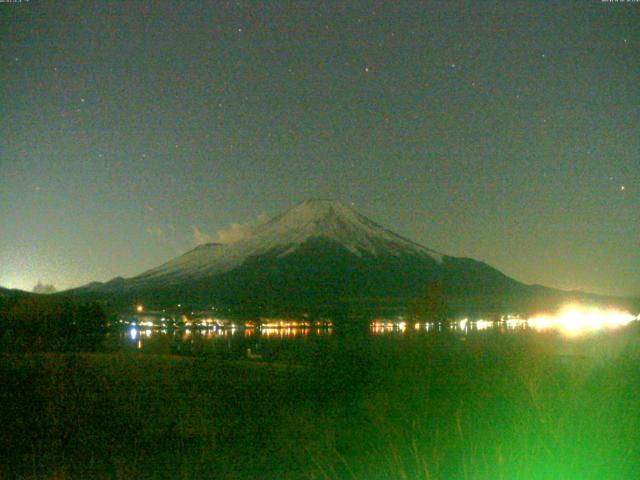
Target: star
x,y
622,188
366,69
82,100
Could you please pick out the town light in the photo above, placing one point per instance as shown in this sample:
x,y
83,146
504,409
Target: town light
x,y
576,319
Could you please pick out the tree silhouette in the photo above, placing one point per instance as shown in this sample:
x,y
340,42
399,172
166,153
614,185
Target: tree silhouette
x,y
431,306
37,324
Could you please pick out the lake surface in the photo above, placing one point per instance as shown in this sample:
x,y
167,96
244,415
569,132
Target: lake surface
x,y
571,335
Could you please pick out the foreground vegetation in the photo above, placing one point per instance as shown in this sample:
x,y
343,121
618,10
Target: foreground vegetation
x,y
41,323
423,407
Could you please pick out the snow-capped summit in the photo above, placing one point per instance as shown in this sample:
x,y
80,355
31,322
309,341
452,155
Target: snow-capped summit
x,y
332,220
320,256
317,254
316,219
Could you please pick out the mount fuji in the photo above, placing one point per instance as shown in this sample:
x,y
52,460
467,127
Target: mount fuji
x,y
311,223
321,255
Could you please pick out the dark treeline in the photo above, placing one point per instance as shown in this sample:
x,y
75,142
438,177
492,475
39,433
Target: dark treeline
x,y
46,324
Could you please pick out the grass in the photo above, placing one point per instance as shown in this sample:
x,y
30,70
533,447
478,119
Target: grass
x,y
507,407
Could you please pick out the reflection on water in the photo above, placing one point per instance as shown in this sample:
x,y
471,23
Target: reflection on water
x,y
571,321
215,335
291,331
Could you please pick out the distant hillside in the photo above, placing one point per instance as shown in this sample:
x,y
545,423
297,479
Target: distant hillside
x,y
6,293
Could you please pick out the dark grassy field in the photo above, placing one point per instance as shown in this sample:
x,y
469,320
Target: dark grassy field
x,y
492,406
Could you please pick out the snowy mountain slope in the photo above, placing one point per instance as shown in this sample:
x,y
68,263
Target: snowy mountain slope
x,y
319,253
326,219
324,257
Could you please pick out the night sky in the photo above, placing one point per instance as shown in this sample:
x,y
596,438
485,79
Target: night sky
x,y
504,131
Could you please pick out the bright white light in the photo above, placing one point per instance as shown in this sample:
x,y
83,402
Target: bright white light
x,y
483,324
514,321
540,323
576,319
133,333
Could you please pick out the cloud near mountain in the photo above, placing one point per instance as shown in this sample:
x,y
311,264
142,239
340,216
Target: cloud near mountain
x,y
199,237
44,289
233,233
